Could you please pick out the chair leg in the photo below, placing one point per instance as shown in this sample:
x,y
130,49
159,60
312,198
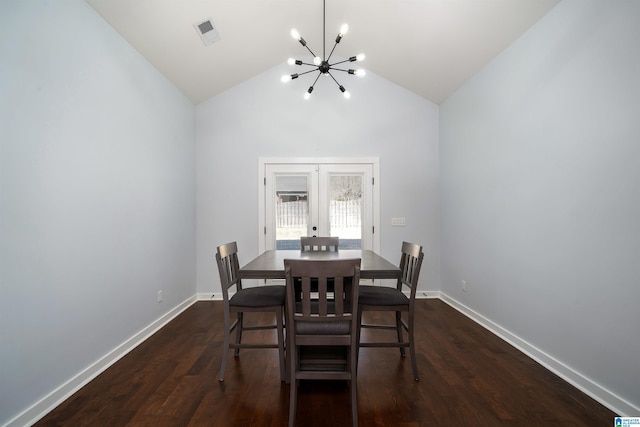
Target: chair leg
x,y
358,335
239,327
293,398
354,402
353,385
287,351
412,347
225,346
400,333
280,343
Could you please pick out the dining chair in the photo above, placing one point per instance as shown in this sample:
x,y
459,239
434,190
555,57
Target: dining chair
x,y
251,299
386,298
319,244
322,329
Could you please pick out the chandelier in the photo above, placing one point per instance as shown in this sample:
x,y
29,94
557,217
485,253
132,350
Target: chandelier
x,y
322,65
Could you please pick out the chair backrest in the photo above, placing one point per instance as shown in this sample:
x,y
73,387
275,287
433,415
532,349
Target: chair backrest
x,y
319,244
410,263
228,266
328,316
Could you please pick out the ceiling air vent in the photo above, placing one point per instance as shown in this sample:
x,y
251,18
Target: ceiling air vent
x,y
207,32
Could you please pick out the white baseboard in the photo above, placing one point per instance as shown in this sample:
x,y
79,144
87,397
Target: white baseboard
x,y
617,404
41,408
427,294
217,296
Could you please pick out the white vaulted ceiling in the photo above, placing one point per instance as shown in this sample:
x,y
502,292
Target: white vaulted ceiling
x,y
430,47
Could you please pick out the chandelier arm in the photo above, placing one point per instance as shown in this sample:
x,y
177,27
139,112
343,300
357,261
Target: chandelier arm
x,y
307,72
339,69
316,80
310,51
340,62
334,79
334,48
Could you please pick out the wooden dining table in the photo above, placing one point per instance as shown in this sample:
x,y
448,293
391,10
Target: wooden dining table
x,y
270,264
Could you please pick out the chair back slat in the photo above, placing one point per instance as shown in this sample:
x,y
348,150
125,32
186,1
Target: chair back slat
x,y
306,302
322,297
339,290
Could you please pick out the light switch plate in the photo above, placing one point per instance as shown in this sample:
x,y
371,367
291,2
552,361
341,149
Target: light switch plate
x,y
397,222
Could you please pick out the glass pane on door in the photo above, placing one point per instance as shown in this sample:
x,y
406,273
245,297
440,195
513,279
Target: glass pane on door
x,y
291,210
345,209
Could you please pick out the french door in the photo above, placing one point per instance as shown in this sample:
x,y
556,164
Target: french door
x,y
319,197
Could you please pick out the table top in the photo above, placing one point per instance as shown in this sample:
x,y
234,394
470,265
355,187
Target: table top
x,y
270,264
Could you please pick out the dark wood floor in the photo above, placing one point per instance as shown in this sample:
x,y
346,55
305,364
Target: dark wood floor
x,y
469,377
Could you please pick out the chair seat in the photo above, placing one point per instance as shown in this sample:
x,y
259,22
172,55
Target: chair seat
x,y
259,296
381,295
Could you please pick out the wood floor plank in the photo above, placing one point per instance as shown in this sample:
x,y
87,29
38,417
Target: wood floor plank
x,y
468,376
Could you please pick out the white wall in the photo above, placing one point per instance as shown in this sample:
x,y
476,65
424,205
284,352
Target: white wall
x,y
540,206
263,117
98,188
97,196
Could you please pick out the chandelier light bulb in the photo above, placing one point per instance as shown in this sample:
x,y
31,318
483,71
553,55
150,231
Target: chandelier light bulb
x,y
344,29
317,60
285,78
291,61
307,94
295,34
361,73
345,92
361,57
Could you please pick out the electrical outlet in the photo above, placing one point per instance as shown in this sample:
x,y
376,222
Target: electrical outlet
x,y
464,285
397,222
159,296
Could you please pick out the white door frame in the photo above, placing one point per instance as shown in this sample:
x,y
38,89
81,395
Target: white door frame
x,y
263,161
